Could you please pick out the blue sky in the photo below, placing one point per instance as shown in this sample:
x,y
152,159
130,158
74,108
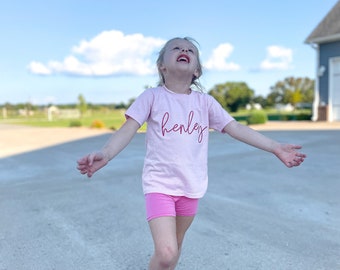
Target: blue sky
x,y
52,51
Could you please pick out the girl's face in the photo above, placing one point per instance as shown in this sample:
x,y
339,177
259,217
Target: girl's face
x,y
182,55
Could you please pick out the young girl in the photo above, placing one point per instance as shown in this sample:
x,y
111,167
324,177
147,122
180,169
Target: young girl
x,y
175,167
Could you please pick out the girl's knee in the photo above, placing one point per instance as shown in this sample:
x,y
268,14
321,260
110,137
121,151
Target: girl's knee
x,y
167,256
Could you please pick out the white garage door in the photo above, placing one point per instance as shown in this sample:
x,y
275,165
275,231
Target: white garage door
x,y
334,89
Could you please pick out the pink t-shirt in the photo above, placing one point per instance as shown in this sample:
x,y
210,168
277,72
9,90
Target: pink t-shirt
x,y
177,139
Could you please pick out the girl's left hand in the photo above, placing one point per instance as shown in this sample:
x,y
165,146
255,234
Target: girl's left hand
x,y
289,155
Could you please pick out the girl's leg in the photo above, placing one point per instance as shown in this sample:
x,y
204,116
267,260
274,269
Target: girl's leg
x,y
168,234
163,230
182,225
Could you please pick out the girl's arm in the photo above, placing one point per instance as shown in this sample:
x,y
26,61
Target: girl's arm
x,y
91,163
285,152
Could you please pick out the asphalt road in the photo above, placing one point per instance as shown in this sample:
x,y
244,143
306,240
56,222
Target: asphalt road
x,y
257,214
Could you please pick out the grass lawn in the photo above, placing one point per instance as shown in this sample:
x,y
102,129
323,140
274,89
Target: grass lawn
x,y
112,119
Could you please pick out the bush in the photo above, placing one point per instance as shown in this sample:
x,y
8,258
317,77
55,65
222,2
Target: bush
x,y
257,117
304,117
290,117
75,123
97,124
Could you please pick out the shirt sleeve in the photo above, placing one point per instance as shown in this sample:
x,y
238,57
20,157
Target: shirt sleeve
x,y
218,117
140,109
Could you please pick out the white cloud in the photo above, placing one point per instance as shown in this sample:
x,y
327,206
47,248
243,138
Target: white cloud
x,y
278,58
108,53
38,68
218,59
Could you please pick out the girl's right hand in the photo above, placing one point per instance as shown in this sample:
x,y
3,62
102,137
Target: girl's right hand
x,y
91,163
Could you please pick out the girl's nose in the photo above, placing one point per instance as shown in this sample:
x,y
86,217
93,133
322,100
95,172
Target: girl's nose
x,y
184,50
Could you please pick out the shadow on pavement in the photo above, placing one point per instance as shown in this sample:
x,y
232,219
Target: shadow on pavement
x,y
257,214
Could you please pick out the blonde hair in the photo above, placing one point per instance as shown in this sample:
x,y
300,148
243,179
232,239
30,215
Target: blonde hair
x,y
159,62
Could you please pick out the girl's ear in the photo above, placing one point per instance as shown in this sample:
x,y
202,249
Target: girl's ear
x,y
161,67
196,74
161,71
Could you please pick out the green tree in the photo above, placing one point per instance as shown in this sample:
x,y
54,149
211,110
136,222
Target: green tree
x,y
292,90
232,95
82,105
260,100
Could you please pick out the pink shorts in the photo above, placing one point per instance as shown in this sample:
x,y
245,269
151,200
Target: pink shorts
x,y
162,205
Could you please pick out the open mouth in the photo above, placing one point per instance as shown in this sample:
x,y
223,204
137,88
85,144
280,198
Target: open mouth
x,y
183,58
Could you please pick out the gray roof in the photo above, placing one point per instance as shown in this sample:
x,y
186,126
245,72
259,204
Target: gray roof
x,y
328,29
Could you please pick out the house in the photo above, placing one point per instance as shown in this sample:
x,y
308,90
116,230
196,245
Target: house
x,y
325,38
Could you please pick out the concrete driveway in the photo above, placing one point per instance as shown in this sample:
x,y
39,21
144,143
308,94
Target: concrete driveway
x,y
257,213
